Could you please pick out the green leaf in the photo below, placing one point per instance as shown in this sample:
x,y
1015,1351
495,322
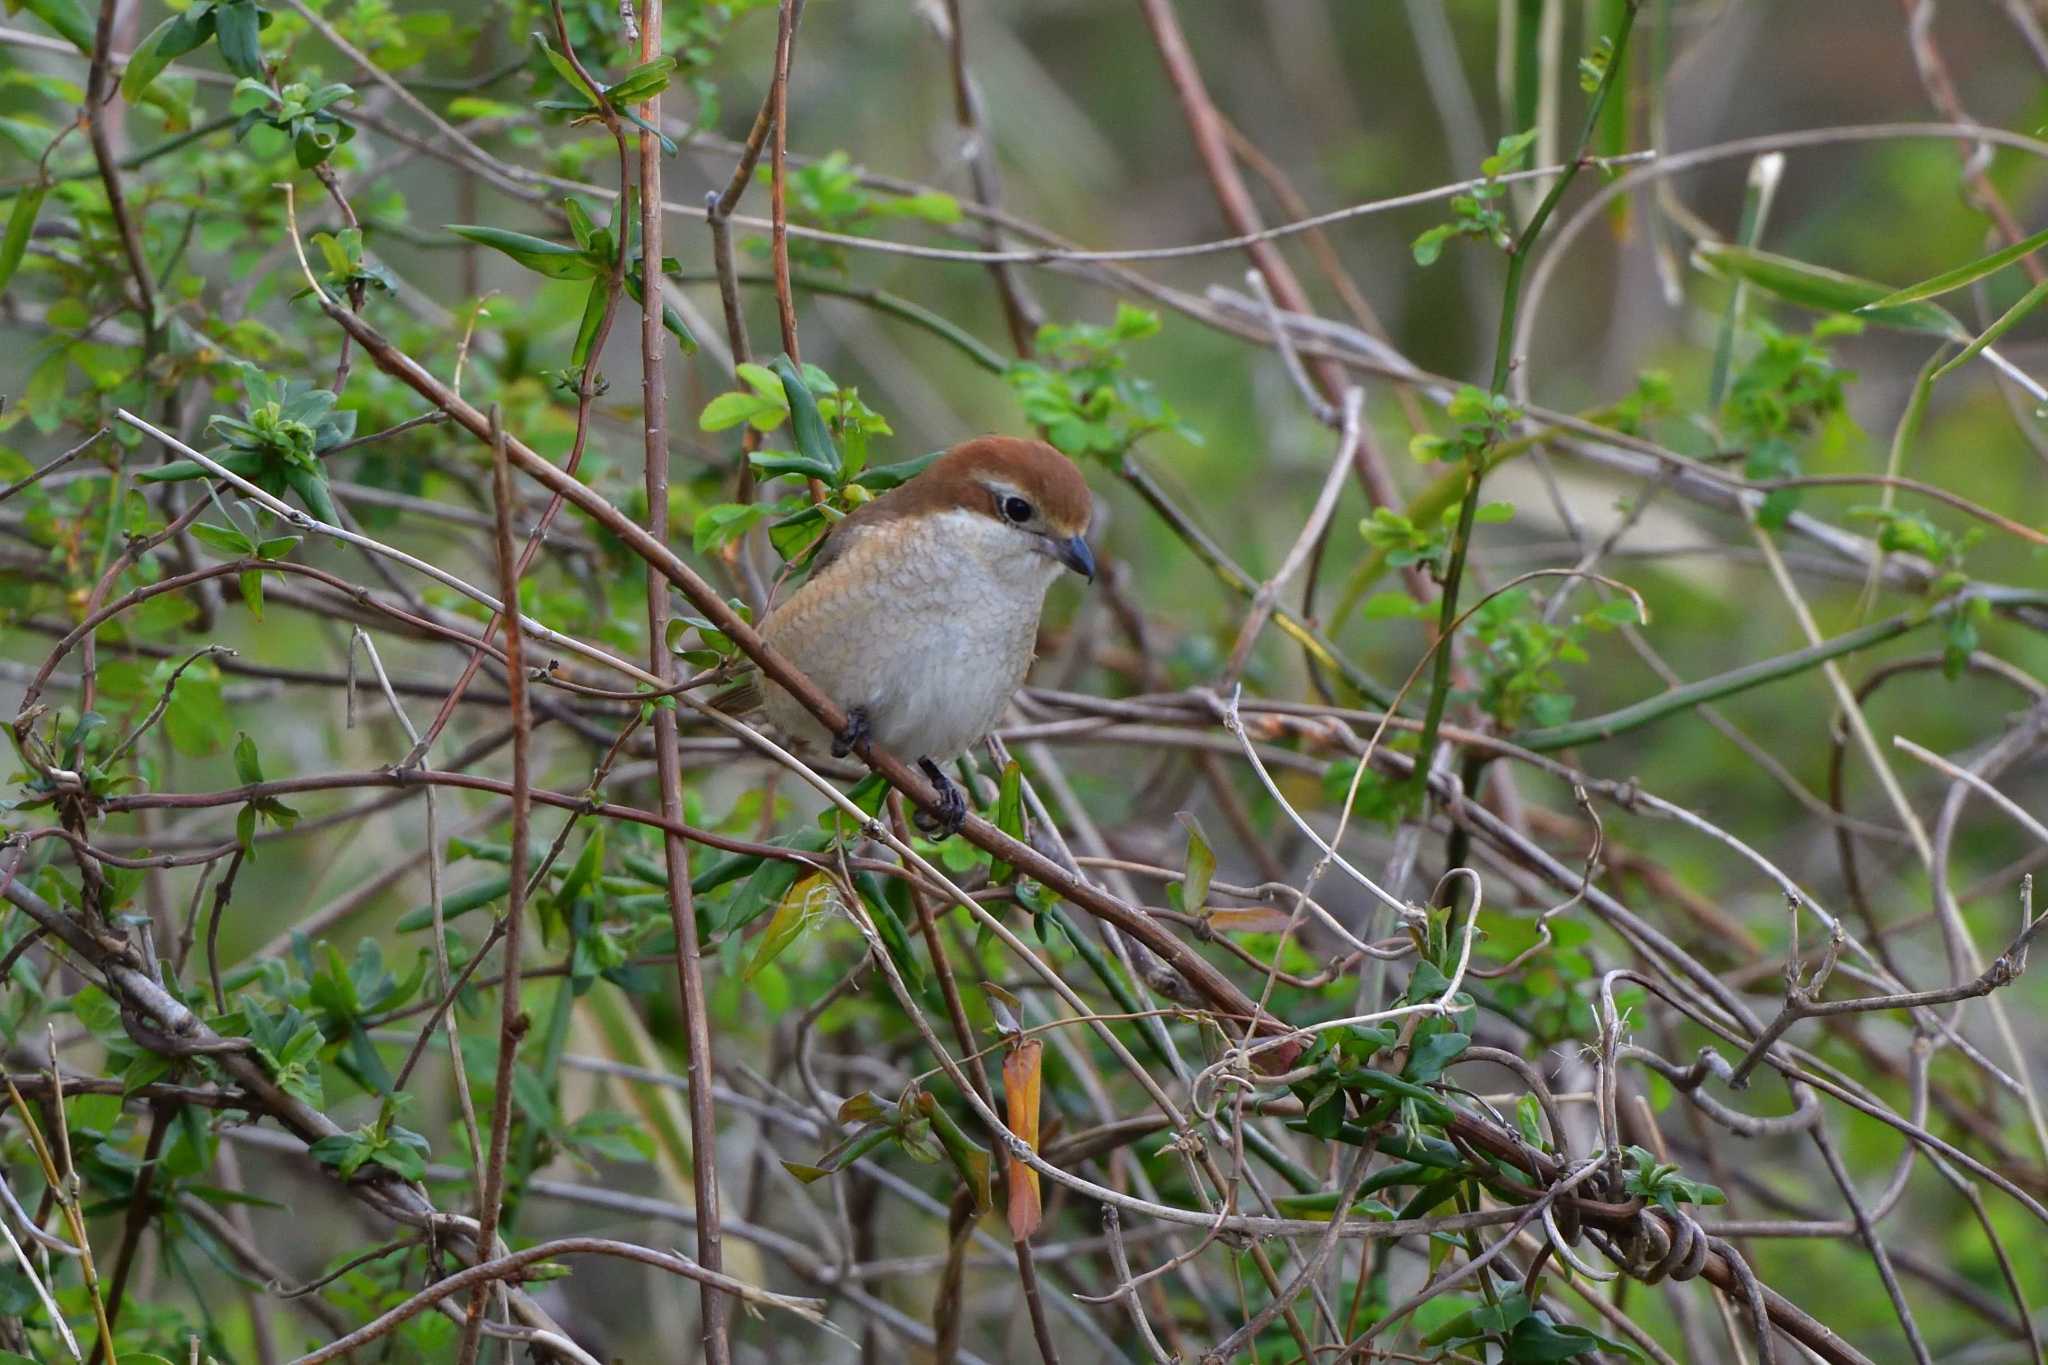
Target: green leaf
x,y
1009,817
456,903
881,478
725,521
237,25
593,317
588,865
1198,866
567,71
773,463
799,908
1427,1059
1480,1320
1427,248
1965,274
556,260
248,764
21,222
313,492
796,535
580,225
197,720
1508,152
671,320
970,1160
222,538
1537,1340
168,41
731,409
764,382
813,439
642,83
67,17
1827,291
881,902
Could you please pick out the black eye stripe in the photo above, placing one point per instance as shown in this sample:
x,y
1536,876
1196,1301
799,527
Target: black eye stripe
x,y
1014,508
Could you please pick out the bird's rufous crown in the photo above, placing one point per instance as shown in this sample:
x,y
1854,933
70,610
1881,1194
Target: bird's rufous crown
x,y
962,477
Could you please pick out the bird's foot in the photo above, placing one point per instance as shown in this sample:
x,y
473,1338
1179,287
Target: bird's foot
x,y
854,735
943,821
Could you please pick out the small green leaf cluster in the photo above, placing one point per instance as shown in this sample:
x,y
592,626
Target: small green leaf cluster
x,y
1789,389
1483,420
1479,212
1653,397
303,115
1523,1334
580,910
738,889
1516,663
606,918
828,194
348,271
285,427
918,1125
1548,994
230,541
831,429
380,1143
589,104
263,809
1081,394
83,751
237,25
1904,532
1406,543
1661,1184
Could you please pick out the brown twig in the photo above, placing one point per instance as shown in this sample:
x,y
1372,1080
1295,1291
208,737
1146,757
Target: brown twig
x,y
778,169
669,772
511,1020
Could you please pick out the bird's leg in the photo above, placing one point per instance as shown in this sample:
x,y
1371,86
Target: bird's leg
x,y
854,735
945,820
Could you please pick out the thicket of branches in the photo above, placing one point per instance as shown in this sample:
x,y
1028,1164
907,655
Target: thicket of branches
x,y
1523,855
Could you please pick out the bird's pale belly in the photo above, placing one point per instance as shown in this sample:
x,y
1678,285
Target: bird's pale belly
x,y
931,684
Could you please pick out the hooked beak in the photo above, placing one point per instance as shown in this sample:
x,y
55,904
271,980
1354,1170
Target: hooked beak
x,y
1072,552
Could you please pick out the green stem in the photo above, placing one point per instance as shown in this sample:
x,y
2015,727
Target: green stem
x,y
1706,690
134,159
1468,507
1433,501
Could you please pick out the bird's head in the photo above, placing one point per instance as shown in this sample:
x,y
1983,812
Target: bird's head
x,y
1034,496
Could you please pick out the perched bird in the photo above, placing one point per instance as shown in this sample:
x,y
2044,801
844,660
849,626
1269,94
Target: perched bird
x,y
920,614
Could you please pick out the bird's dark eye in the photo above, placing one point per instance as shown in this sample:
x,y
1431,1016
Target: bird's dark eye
x,y
1016,509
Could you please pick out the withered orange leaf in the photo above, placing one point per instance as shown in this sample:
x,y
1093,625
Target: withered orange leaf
x,y
1020,1093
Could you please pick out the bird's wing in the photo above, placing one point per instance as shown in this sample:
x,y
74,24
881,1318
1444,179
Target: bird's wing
x,y
740,700
855,527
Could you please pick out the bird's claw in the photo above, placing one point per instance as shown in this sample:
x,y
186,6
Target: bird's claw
x,y
943,821
854,735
